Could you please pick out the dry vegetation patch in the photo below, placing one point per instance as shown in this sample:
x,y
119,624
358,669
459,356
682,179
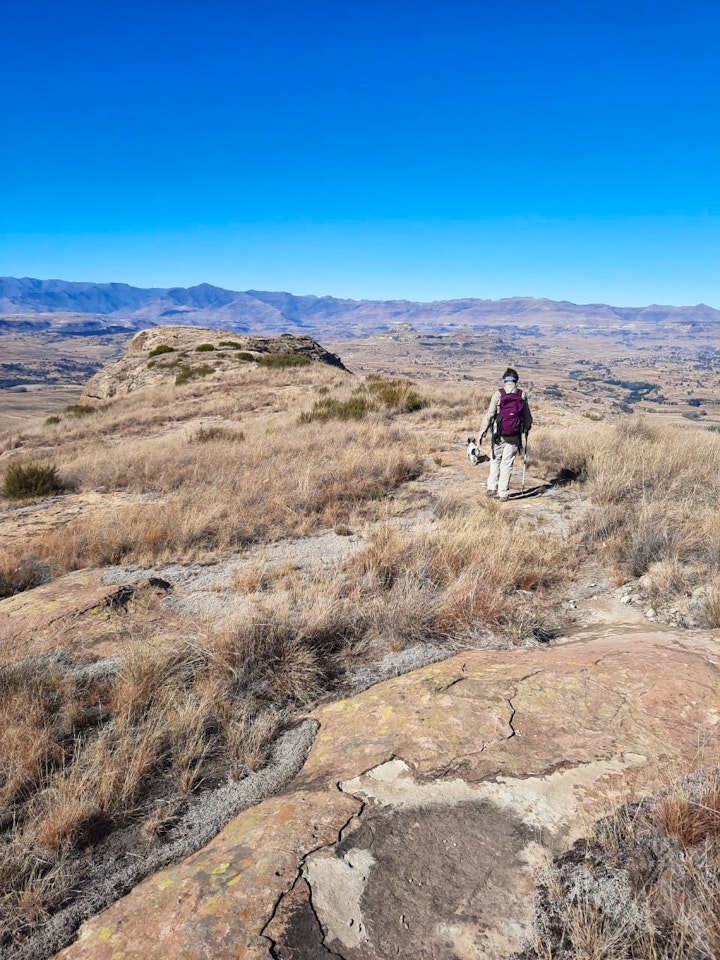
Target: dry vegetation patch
x,y
123,750
216,496
644,886
654,512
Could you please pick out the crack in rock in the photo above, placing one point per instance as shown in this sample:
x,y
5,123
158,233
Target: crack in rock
x,y
449,686
513,731
295,913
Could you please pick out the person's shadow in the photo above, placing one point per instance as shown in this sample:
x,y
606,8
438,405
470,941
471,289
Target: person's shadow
x,y
535,491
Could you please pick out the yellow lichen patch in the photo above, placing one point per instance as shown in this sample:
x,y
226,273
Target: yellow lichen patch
x,y
164,884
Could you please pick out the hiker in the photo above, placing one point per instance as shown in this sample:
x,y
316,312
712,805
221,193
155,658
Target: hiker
x,y
508,417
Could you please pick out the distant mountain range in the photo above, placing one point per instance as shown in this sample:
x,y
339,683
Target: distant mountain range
x,y
87,308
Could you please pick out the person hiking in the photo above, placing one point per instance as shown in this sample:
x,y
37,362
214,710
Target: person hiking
x,y
508,417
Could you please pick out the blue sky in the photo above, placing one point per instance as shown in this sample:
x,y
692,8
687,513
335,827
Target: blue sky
x,y
382,150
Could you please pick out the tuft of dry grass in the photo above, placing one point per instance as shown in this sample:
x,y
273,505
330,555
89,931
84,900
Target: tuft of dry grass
x,y
644,886
711,605
654,507
463,573
85,756
691,811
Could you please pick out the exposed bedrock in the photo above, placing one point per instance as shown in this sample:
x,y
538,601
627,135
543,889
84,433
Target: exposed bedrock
x,y
426,805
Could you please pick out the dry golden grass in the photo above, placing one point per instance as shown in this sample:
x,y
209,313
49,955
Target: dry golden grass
x,y
644,886
691,815
463,572
86,757
712,603
210,497
214,472
654,504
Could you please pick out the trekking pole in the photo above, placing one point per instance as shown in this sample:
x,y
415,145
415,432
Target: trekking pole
x,y
524,465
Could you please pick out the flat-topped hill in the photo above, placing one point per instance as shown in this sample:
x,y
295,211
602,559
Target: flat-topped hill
x,y
182,354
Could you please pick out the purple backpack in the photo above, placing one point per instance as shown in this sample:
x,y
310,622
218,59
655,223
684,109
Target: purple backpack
x,y
510,413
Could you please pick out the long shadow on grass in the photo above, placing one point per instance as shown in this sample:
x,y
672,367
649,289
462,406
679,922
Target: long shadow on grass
x,y
535,491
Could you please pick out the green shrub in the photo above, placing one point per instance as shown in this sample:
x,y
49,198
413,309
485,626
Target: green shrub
x,y
31,480
205,434
245,356
204,348
232,344
398,395
355,408
161,348
50,421
187,373
79,410
278,361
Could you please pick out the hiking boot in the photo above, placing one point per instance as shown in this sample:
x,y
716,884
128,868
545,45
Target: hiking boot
x,y
491,493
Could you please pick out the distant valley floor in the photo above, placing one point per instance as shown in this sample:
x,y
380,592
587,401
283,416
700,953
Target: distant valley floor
x,y
660,370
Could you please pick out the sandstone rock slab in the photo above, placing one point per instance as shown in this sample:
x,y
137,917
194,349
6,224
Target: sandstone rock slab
x,y
443,790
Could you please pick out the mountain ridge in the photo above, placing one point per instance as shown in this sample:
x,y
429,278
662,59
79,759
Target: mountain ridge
x,y
276,311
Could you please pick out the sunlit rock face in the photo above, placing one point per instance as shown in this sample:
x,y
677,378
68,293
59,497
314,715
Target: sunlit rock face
x,y
427,804
155,357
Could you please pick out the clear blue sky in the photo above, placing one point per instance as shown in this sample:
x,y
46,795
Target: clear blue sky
x,y
395,149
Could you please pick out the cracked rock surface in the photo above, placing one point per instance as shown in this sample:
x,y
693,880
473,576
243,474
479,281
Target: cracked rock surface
x,y
427,803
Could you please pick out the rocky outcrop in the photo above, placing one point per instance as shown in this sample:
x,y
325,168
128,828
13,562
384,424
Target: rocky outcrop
x,y
426,805
156,356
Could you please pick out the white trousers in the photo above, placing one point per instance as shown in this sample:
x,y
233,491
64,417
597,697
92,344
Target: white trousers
x,y
501,467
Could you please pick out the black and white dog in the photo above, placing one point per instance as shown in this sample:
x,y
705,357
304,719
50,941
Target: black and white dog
x,y
473,452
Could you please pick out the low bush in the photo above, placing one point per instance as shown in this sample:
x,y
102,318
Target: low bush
x,y
246,356
204,348
400,396
205,434
160,349
279,361
52,421
354,408
231,344
80,410
31,480
188,373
